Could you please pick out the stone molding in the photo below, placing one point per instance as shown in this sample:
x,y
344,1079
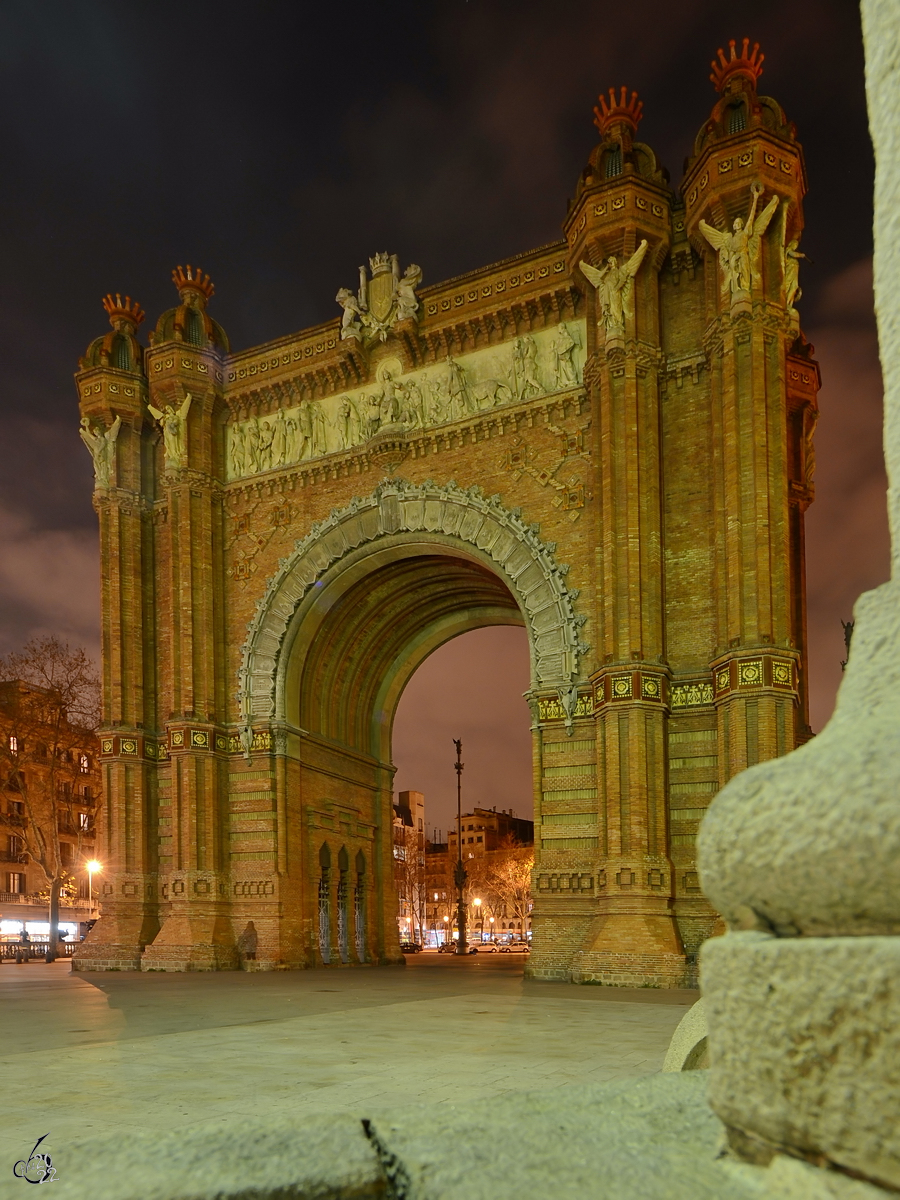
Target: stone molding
x,y
526,564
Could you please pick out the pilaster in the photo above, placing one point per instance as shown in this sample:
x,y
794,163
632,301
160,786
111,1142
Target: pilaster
x,y
123,502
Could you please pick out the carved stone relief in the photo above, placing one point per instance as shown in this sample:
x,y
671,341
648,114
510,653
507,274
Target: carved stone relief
x,y
537,364
525,563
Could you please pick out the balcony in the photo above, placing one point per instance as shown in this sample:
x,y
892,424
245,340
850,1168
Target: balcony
x,y
7,856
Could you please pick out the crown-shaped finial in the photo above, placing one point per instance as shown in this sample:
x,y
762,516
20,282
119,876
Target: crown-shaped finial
x,y
622,109
748,63
380,263
193,278
129,310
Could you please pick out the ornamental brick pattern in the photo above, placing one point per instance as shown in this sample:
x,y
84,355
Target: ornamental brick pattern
x,y
616,457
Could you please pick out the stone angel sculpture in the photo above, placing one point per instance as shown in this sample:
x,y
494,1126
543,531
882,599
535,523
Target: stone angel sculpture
x,y
102,445
739,250
615,287
790,266
173,422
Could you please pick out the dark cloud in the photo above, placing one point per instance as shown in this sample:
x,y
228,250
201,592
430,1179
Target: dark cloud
x,y
278,144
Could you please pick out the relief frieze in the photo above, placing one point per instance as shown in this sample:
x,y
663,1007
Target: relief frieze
x,y
537,364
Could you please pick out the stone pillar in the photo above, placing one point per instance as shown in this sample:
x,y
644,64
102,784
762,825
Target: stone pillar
x,y
800,854
621,222
196,931
127,885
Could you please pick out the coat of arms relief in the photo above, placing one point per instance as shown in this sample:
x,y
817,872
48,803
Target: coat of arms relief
x,y
383,298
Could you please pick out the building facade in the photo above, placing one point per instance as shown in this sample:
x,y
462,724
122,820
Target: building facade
x,y
484,829
409,865
49,808
606,440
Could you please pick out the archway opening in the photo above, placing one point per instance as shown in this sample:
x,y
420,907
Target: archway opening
x,y
470,688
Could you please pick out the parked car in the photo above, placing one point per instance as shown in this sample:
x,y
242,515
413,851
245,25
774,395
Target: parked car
x,y
486,948
447,948
515,947
410,947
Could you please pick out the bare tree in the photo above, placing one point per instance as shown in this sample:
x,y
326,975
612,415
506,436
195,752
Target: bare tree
x,y
49,714
502,878
409,876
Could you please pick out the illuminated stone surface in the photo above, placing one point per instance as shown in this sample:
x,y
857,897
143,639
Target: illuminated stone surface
x,y
592,440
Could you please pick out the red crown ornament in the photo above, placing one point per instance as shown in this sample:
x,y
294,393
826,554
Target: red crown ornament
x,y
193,278
622,109
129,310
748,63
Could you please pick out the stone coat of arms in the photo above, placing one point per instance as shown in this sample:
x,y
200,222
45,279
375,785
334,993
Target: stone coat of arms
x,y
384,298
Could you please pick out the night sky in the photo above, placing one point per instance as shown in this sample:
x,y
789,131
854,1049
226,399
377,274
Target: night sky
x,y
277,144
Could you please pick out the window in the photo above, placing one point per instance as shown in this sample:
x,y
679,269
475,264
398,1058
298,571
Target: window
x,y
613,164
13,846
17,808
14,744
84,764
737,119
66,853
64,791
15,883
471,827
84,821
478,839
87,794
40,750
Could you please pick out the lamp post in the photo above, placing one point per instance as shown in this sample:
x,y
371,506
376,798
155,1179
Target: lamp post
x,y
479,917
459,874
92,866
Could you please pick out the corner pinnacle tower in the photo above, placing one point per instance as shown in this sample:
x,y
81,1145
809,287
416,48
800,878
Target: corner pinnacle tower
x,y
607,441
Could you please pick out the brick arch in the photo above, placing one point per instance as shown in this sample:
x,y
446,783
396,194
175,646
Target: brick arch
x,y
443,514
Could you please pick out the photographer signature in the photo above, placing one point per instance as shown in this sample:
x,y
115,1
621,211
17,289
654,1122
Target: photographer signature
x,y
37,1168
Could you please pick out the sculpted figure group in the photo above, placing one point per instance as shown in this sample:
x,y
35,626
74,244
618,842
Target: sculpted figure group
x,y
364,321
431,397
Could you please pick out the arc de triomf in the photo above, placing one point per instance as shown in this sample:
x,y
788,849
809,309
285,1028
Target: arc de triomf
x,y
607,440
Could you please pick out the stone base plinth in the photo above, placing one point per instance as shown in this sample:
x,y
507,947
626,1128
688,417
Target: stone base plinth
x,y
116,942
201,941
630,970
804,1047
107,957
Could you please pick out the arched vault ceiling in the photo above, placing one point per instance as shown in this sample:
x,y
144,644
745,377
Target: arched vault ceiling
x,y
372,590
376,634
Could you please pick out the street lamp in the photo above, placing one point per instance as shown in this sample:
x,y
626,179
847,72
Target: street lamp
x,y
459,873
479,917
92,866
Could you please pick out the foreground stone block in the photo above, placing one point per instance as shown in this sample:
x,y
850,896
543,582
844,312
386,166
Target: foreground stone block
x,y
645,1140
327,1158
805,1047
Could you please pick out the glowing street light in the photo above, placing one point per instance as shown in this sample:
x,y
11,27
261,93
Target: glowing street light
x,y
91,867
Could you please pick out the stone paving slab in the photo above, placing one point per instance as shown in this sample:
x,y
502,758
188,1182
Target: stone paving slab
x,y
120,1054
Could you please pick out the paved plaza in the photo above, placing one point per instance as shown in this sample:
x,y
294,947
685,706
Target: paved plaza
x,y
108,1052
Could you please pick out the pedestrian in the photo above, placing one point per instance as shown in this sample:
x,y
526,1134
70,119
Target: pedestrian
x,y
24,951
